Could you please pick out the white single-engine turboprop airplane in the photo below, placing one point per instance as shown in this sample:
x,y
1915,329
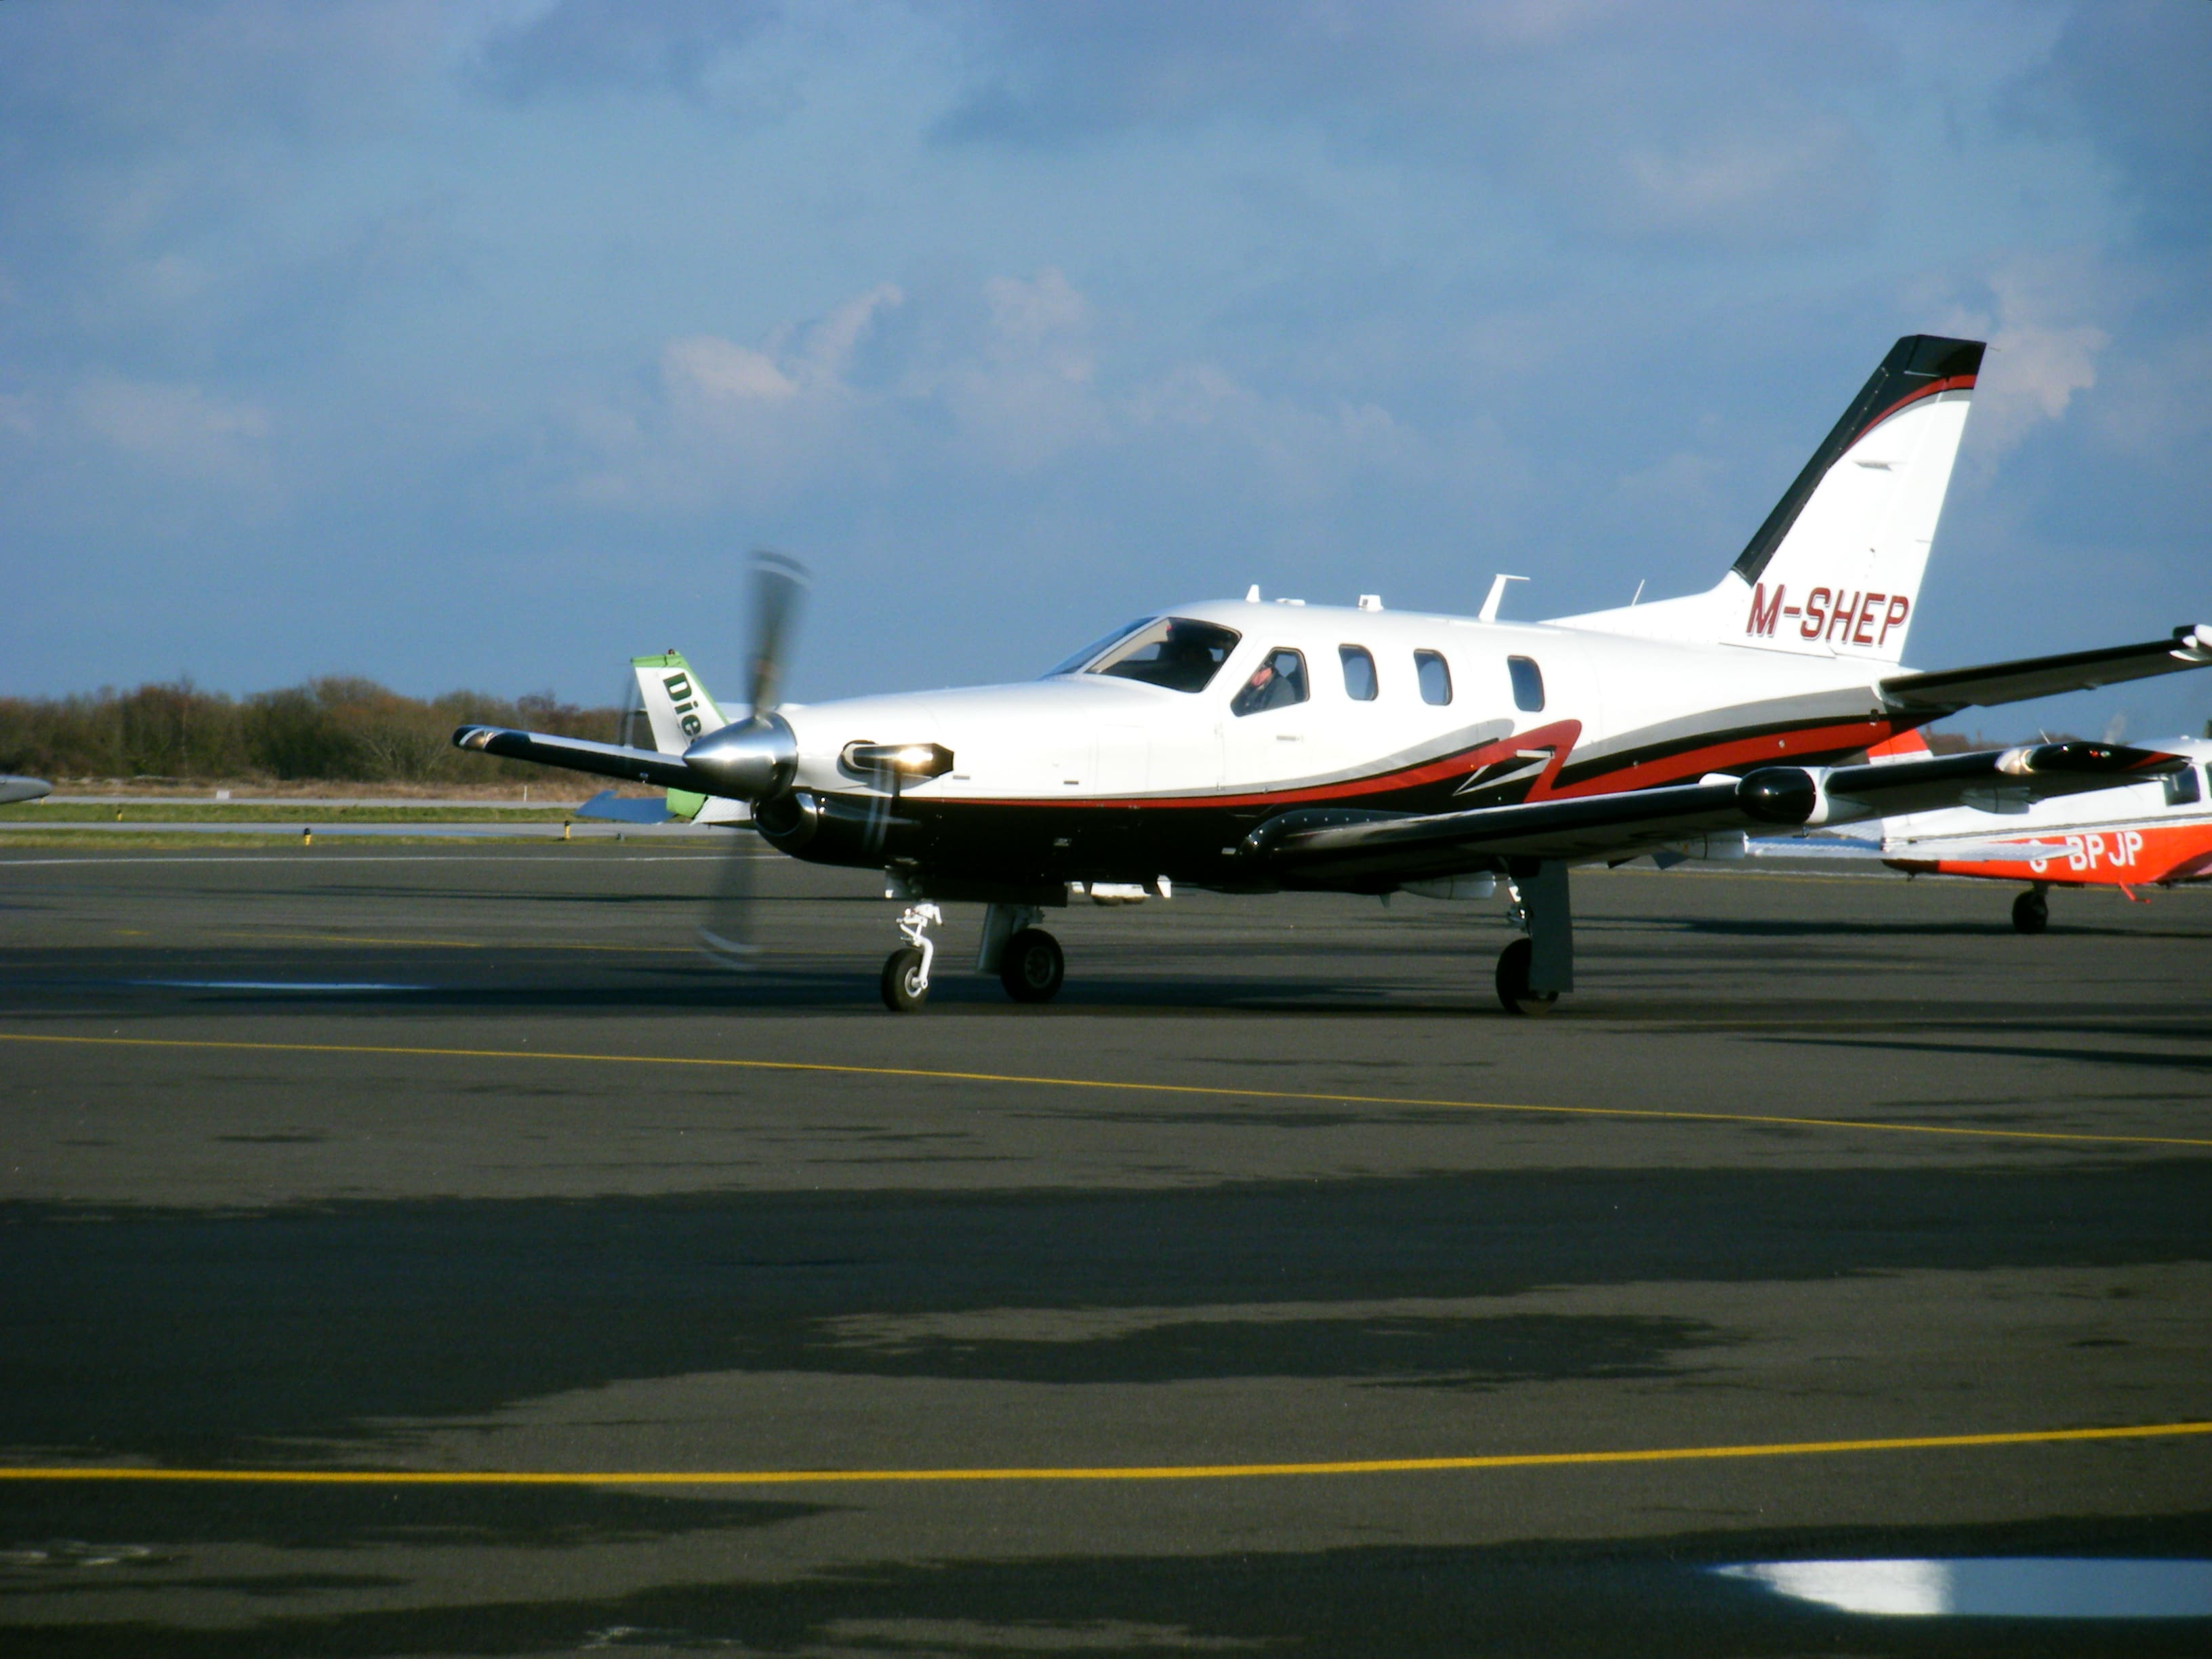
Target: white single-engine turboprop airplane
x,y
1249,747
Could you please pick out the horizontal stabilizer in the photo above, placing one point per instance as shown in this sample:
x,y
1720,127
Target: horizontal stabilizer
x,y
607,760
1953,688
625,809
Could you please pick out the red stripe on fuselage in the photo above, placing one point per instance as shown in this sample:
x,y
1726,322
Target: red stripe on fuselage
x,y
1767,749
1560,737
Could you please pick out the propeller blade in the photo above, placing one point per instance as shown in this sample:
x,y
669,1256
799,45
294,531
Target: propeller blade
x,y
881,808
779,585
728,933
634,730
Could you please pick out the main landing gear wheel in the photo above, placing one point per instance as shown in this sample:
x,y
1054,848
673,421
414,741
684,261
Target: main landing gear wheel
x,y
2031,912
1513,982
906,983
1031,966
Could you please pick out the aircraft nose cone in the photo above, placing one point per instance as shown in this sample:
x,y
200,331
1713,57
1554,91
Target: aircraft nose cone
x,y
751,759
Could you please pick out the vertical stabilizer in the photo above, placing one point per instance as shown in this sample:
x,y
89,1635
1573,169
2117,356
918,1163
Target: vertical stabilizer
x,y
675,704
1835,569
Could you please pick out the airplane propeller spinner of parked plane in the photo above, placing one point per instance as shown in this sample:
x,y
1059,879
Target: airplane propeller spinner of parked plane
x,y
1254,748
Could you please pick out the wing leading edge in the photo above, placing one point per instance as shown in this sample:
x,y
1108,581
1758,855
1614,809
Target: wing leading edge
x,y
606,760
1949,689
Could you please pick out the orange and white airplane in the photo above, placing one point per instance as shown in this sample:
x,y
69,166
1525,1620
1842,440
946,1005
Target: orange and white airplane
x,y
2153,833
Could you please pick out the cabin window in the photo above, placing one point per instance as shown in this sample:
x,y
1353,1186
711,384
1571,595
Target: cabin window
x,y
1359,672
2181,787
1528,683
1173,651
1434,673
1277,682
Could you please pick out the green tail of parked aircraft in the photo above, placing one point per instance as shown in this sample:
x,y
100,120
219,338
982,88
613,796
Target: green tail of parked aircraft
x,y
671,703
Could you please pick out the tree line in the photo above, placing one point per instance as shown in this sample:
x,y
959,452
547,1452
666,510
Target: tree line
x,y
335,728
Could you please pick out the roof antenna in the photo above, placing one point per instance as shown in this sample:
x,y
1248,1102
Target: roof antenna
x,y
1489,611
1252,594
1639,594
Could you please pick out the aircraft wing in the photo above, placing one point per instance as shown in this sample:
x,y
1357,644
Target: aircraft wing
x,y
1322,847
1325,847
608,760
1854,850
1953,688
1993,779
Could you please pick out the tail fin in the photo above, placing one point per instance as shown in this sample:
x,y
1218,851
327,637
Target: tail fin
x,y
675,704
1835,570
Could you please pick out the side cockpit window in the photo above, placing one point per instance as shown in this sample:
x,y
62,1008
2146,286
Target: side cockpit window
x,y
1277,682
1434,674
1359,672
2181,787
1527,684
1174,652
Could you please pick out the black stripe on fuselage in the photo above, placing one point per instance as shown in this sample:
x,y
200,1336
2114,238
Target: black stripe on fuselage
x,y
1030,842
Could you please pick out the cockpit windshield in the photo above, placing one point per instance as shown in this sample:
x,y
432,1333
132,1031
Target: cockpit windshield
x,y
1174,652
1096,648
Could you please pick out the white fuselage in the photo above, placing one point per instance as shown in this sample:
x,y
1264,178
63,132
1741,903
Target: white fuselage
x,y
1606,700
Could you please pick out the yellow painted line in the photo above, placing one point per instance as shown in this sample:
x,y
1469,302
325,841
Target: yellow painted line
x,y
464,944
1216,1091
1112,1472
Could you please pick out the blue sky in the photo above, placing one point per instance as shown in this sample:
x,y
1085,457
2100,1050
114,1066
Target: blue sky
x,y
473,344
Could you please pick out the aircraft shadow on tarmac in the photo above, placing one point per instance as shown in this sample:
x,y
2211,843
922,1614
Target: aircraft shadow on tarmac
x,y
362,1313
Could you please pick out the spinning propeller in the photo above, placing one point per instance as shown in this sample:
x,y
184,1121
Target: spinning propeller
x,y
753,758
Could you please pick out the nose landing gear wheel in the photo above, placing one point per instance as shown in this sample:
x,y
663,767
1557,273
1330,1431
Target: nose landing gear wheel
x,y
1032,966
1513,982
2031,912
905,989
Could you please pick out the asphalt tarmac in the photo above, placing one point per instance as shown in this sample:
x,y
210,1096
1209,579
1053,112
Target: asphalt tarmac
x,y
1273,1291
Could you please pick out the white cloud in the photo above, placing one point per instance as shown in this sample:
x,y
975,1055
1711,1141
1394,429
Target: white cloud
x,y
1810,179
177,427
2043,347
1024,384
710,369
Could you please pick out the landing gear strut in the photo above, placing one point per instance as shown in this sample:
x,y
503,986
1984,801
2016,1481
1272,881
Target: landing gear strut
x,y
906,970
2031,911
1532,972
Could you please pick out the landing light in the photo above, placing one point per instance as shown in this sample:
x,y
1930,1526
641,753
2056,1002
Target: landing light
x,y
908,760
